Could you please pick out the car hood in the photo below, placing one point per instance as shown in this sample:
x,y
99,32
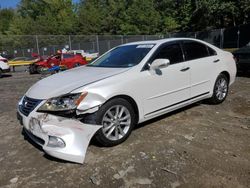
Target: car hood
x,y
65,82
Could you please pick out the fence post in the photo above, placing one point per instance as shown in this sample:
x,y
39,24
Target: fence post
x,y
222,38
97,44
108,45
121,39
238,39
93,46
70,42
37,45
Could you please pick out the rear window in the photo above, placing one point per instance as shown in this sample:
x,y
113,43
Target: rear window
x,y
195,50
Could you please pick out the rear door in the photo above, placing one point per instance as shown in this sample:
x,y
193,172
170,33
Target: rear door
x,y
202,62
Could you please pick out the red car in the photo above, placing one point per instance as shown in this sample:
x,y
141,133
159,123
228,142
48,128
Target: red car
x,y
65,60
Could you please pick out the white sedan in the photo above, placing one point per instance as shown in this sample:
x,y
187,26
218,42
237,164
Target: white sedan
x,y
4,66
127,85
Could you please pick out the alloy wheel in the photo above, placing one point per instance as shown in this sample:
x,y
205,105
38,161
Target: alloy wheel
x,y
116,122
221,89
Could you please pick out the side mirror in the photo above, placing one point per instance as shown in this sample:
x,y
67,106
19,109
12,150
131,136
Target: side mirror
x,y
159,64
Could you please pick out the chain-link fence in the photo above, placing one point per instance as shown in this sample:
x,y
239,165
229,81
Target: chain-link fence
x,y
20,45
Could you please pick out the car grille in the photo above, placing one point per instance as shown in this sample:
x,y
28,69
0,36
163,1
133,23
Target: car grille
x,y
28,105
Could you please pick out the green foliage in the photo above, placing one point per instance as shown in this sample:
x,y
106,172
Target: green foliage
x,y
44,17
6,17
62,17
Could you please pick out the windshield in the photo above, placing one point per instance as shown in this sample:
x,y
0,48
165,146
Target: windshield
x,y
123,56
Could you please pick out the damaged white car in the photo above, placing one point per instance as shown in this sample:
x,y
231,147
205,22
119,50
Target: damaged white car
x,y
128,85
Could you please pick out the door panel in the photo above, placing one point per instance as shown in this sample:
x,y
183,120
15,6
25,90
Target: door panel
x,y
165,88
201,60
200,75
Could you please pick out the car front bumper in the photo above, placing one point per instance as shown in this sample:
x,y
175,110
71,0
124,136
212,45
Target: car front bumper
x,y
73,136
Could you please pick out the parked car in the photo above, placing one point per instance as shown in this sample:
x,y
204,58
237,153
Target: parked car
x,y
4,67
129,84
88,55
66,60
22,61
242,57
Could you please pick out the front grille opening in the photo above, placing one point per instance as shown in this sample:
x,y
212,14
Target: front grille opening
x,y
28,105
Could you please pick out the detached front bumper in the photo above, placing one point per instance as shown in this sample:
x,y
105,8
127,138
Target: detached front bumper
x,y
60,137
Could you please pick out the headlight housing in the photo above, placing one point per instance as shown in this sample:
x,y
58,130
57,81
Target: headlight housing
x,y
63,103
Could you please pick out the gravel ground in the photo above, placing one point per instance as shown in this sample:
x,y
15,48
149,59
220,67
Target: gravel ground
x,y
199,146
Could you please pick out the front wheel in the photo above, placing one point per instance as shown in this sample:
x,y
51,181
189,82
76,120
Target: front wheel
x,y
220,90
77,65
118,119
32,69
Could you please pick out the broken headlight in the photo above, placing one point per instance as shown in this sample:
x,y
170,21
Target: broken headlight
x,y
63,103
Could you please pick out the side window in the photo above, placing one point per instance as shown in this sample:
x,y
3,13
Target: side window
x,y
195,50
172,52
211,51
68,56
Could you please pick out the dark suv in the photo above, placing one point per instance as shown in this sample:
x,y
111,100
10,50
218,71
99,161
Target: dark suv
x,y
242,57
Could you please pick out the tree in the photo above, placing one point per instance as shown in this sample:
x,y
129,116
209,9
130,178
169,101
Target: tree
x,y
6,17
141,17
90,16
44,17
214,14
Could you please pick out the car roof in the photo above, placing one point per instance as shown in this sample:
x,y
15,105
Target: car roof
x,y
160,41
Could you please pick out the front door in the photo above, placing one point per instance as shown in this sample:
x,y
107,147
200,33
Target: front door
x,y
169,86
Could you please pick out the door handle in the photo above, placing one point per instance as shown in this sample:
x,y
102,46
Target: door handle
x,y
217,60
185,69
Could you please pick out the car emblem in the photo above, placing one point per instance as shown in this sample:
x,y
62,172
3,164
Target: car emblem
x,y
25,103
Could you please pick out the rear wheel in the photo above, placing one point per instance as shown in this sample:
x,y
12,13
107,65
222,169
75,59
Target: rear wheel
x,y
1,73
220,90
118,118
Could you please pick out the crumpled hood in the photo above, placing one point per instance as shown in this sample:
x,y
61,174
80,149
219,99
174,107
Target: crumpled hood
x,y
65,82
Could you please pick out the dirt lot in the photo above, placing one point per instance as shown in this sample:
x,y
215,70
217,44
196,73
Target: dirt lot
x,y
199,146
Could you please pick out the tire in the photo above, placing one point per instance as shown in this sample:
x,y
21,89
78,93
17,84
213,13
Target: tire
x,y
39,69
77,65
1,73
220,90
115,129
32,69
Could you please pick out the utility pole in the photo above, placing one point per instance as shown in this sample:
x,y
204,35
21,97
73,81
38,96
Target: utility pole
x,y
37,45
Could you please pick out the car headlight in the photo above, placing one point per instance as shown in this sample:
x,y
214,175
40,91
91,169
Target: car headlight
x,y
63,103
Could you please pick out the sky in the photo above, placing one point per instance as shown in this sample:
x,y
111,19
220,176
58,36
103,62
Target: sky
x,y
13,3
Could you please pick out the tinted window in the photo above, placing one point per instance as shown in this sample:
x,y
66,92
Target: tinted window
x,y
68,56
195,50
172,52
211,51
